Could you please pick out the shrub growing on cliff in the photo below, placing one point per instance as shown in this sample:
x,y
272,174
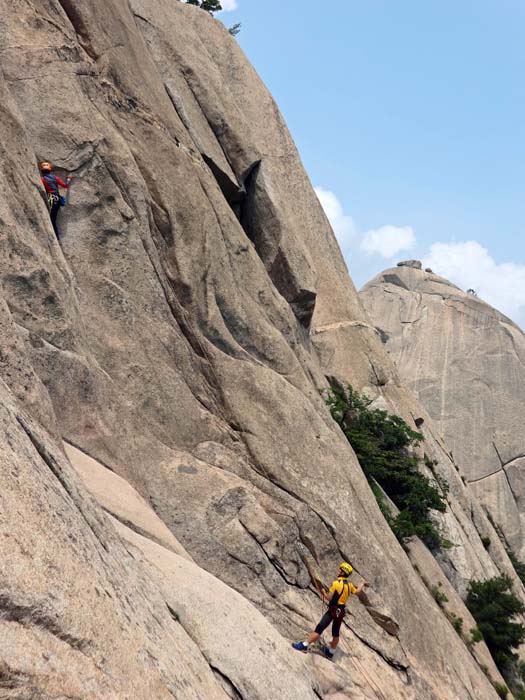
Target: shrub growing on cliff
x,y
235,29
519,692
501,690
519,566
382,442
210,6
438,595
494,606
475,637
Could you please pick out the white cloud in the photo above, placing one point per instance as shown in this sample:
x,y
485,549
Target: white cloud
x,y
343,225
469,265
387,241
228,5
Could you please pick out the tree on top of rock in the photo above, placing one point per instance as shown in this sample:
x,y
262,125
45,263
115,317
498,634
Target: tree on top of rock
x,y
210,6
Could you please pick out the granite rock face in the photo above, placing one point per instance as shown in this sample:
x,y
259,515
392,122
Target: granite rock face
x,y
167,453
466,363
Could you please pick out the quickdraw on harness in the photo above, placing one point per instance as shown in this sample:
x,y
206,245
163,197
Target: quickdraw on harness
x,y
52,199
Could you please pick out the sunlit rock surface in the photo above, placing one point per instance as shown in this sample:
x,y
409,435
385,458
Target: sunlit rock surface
x,y
180,337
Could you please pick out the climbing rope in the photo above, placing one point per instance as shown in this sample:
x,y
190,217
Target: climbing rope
x,y
377,690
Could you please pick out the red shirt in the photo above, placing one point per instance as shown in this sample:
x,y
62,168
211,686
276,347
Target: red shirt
x,y
49,187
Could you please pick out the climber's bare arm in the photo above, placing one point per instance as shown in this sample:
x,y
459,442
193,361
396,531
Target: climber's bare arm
x,y
326,595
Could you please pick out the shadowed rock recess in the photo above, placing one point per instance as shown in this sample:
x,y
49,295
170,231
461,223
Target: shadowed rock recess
x,y
166,455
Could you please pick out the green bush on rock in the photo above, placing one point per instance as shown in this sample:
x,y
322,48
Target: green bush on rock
x,y
210,6
382,444
501,690
519,566
475,637
494,606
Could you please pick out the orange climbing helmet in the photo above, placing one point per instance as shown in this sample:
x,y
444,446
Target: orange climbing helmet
x,y
46,167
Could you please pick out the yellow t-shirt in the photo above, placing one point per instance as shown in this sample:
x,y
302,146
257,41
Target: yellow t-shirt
x,y
344,588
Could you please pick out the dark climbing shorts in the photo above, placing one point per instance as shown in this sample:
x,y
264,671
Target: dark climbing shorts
x,y
334,615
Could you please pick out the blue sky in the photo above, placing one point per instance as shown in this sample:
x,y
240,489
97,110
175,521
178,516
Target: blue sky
x,y
410,119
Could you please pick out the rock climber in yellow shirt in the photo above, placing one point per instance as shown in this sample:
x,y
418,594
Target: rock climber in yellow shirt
x,y
336,597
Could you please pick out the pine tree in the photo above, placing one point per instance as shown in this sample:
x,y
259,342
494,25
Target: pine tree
x,y
495,607
384,446
210,6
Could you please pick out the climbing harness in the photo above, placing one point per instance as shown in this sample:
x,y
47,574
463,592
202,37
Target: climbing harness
x,y
52,199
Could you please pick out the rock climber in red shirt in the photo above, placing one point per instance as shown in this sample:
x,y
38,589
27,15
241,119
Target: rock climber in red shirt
x,y
52,183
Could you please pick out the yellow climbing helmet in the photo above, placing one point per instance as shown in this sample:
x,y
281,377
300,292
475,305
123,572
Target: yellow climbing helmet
x,y
46,167
346,568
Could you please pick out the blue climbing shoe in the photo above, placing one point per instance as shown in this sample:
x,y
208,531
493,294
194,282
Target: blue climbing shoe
x,y
327,651
300,646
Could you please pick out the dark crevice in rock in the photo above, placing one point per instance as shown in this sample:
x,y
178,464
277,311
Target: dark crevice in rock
x,y
515,496
392,278
485,476
303,306
180,110
11,680
46,457
508,462
331,528
163,222
246,213
230,506
272,561
172,612
73,14
233,194
379,379
307,544
227,684
397,665
134,528
178,106
34,615
248,181
497,453
383,335
261,223
224,136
